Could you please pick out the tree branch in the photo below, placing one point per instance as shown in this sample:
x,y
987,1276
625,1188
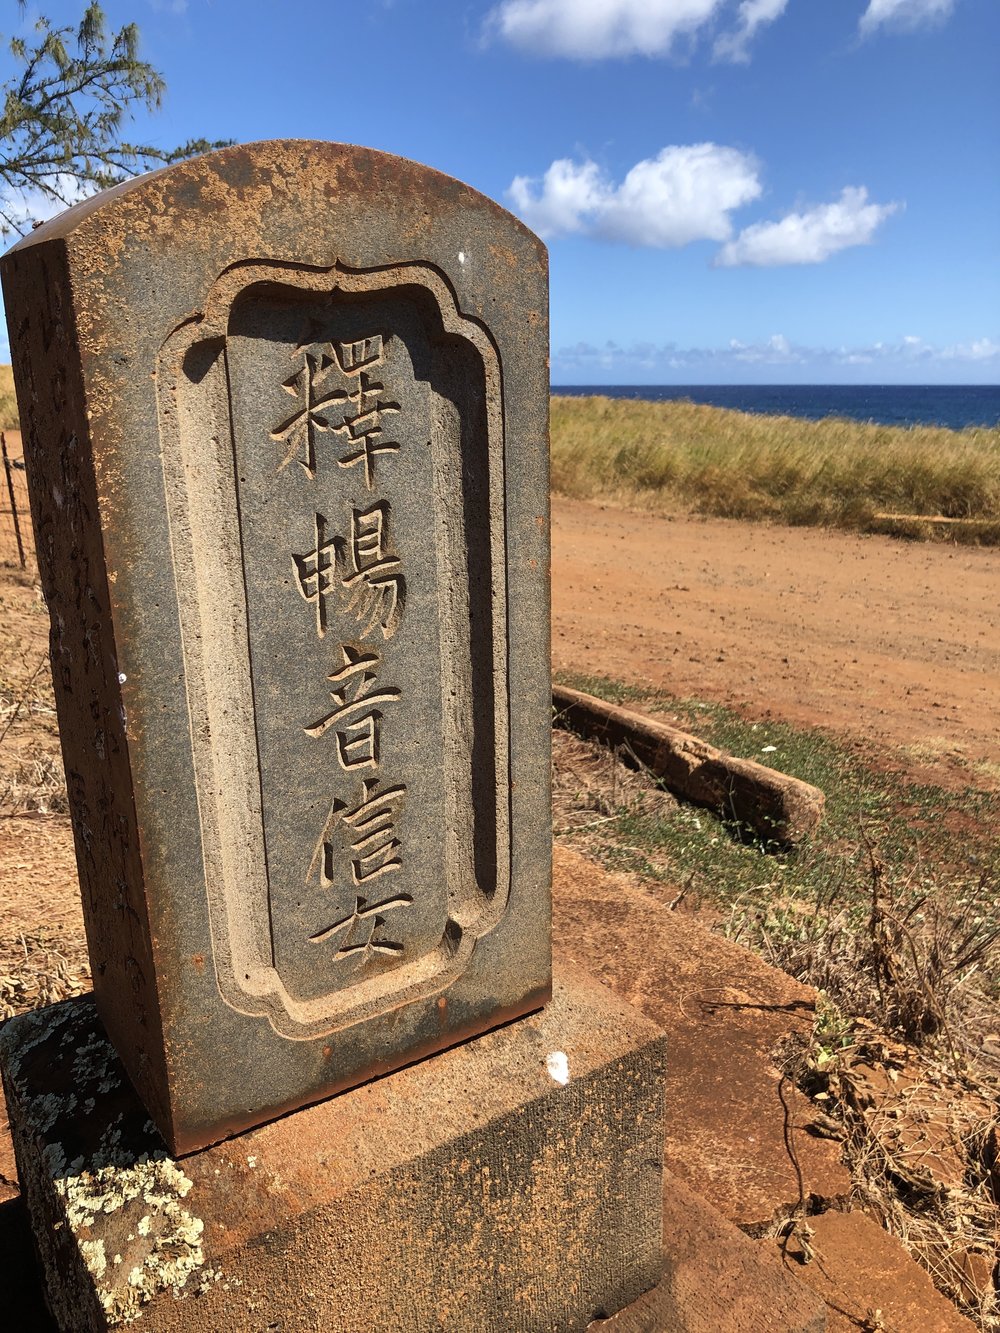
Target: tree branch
x,y
60,127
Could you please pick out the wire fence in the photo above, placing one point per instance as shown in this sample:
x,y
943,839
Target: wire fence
x,y
17,545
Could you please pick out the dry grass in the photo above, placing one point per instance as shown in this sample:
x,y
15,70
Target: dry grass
x,y
906,1062
593,787
25,691
8,402
686,457
41,967
920,1140
923,966
37,785
31,773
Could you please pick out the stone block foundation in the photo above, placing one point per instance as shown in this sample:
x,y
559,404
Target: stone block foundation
x,y
512,1184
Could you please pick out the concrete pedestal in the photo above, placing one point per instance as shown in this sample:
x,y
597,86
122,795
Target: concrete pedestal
x,y
509,1184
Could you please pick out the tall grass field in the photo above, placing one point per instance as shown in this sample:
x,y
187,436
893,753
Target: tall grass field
x,y
683,457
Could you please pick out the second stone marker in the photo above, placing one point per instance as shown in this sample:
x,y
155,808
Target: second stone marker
x,y
285,416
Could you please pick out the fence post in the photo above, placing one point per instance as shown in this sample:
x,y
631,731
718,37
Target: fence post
x,y
13,502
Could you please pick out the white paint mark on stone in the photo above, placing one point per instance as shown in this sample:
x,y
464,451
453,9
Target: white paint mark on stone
x,y
461,256
557,1063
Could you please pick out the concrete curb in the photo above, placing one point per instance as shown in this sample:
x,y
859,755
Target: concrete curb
x,y
779,808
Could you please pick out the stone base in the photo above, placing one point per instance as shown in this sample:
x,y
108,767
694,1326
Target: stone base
x,y
510,1184
717,1280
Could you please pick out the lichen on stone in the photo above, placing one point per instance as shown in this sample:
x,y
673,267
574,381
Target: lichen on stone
x,y
160,1239
94,1257
31,1029
122,1197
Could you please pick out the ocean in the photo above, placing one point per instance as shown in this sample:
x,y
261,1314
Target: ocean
x,y
953,405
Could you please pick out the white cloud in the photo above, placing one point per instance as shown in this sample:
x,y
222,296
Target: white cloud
x,y
22,209
811,237
910,358
979,349
776,351
684,194
569,196
598,29
904,13
753,14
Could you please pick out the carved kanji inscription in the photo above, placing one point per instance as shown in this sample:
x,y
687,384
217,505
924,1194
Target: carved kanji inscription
x,y
359,570
370,573
359,702
310,385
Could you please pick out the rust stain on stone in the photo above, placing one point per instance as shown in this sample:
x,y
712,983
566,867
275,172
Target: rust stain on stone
x,y
504,255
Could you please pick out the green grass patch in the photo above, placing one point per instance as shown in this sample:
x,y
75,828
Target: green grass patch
x,y
927,838
686,457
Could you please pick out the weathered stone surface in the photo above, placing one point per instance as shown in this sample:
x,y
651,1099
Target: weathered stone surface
x,y
511,1184
779,808
717,1280
858,1268
284,416
725,1013
723,1009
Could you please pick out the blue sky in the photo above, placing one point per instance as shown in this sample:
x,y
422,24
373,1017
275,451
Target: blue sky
x,y
732,191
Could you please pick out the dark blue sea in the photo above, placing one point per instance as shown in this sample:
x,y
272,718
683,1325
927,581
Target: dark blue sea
x,y
952,405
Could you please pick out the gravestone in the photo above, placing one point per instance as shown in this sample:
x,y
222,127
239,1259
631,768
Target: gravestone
x,y
285,414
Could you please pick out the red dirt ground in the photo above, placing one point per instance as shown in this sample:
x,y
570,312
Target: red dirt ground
x,y
869,637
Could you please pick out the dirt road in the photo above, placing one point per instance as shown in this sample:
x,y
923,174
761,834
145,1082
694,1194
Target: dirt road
x,y
866,636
